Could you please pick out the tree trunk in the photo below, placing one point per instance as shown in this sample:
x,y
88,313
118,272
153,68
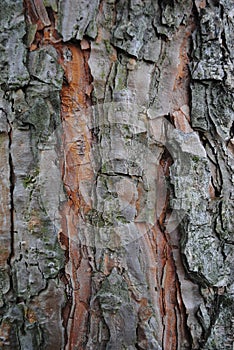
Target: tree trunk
x,y
116,134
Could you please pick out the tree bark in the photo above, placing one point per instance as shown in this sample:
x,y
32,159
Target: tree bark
x,y
116,134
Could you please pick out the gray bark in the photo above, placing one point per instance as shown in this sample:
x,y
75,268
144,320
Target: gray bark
x,y
116,135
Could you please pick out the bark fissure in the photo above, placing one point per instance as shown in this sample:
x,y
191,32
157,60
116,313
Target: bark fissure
x,y
12,186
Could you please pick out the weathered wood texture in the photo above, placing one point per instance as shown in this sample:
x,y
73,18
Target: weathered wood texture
x,y
116,135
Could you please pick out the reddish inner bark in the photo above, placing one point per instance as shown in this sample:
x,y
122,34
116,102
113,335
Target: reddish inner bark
x,y
75,99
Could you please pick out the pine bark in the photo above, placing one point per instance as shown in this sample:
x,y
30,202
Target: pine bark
x,y
116,135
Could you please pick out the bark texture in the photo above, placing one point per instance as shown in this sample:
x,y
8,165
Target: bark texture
x,y
116,135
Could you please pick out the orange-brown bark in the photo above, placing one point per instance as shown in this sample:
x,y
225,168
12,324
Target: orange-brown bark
x,y
77,140
170,300
75,166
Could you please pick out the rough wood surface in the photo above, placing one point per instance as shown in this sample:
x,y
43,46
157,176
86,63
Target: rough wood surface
x,y
116,135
